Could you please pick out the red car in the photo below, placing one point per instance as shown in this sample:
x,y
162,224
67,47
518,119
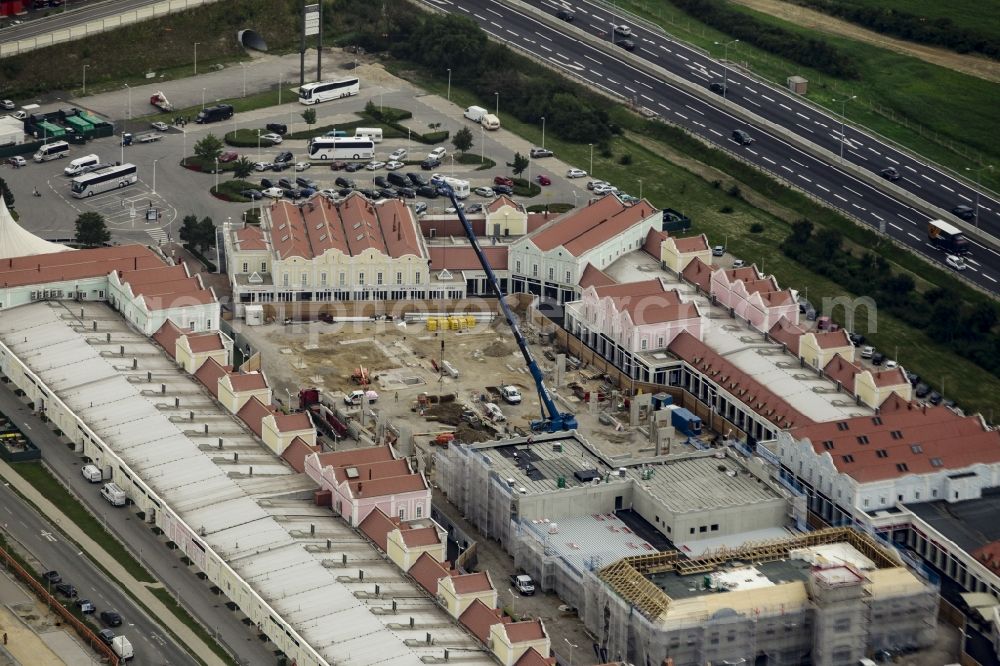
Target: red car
x,y
503,180
229,156
337,166
543,180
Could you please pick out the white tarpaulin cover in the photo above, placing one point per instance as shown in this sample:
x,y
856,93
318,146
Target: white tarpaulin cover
x,y
16,242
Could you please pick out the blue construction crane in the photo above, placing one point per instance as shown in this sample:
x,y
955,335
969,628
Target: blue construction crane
x,y
552,419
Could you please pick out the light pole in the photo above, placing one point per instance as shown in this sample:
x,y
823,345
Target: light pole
x,y
640,188
725,66
543,131
244,67
979,171
279,87
196,57
843,112
85,79
571,648
258,146
129,115
591,172
216,175
482,143
498,103
154,176
184,145
449,84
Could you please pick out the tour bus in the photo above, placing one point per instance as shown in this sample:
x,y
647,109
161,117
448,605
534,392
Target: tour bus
x,y
102,180
51,151
373,133
341,148
324,91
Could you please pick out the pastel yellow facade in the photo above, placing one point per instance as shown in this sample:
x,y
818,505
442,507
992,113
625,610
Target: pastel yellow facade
x,y
234,401
507,221
818,357
874,395
279,441
508,653
405,556
191,361
676,260
458,603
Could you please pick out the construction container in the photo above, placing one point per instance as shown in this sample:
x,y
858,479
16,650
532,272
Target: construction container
x,y
432,325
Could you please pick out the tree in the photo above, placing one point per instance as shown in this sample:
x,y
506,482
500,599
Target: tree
x,y
6,193
208,149
519,165
198,234
91,230
189,229
309,115
801,232
462,139
242,167
206,233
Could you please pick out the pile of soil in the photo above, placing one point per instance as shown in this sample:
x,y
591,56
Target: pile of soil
x,y
498,348
469,435
449,413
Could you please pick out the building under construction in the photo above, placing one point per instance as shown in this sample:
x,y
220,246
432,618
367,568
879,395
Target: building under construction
x,y
698,558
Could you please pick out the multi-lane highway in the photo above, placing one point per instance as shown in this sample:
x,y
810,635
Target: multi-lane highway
x,y
152,644
615,72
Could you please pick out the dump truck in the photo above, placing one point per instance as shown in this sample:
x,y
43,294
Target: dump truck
x,y
160,101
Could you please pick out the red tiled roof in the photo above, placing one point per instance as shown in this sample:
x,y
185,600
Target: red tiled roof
x,y
247,381
583,229
252,413
205,342
472,583
294,422
738,383
787,333
538,220
401,235
427,572
381,469
296,452
989,556
209,374
501,201
699,273
166,336
361,225
688,244
75,265
159,274
648,302
522,632
748,274
390,486
832,339
478,618
463,257
776,298
903,439
354,457
531,657
377,526
893,377
654,239
595,277
251,238
420,536
839,369
288,234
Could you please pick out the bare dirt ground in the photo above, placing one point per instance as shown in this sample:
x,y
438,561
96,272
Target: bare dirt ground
x,y
982,68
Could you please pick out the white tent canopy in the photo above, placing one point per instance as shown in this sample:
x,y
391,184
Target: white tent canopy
x,y
16,242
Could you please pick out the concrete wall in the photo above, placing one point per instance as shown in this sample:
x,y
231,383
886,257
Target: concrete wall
x,y
572,502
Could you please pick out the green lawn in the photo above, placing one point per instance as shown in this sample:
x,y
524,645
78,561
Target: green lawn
x,y
972,14
935,101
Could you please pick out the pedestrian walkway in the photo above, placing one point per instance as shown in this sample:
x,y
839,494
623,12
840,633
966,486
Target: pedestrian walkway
x,y
138,590
159,236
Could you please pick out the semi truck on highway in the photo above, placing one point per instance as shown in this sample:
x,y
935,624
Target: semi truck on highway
x,y
947,237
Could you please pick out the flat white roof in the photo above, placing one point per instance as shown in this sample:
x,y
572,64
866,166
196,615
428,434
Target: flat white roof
x,y
747,349
252,521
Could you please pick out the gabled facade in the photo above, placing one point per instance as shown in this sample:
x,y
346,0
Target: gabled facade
x,y
754,297
510,641
677,253
459,592
407,542
193,349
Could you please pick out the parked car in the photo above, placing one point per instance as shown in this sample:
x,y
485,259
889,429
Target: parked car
x,y
437,154
373,166
523,584
934,398
52,577
503,180
956,262
964,212
351,167
262,166
7,104
337,166
543,179
430,163
604,188
417,179
420,208
913,378
474,208
368,193
272,137
717,87
742,138
428,191
280,166
890,173
718,251
878,358
302,166
381,181
86,606
344,191
451,209
306,192
484,191
626,44
106,636
866,352
290,193
273,192
398,155
253,195
921,389
442,191
229,156
266,183
160,126
891,364
66,590
392,165
277,128
406,192
503,189
285,183
344,182
305,182
576,173
739,263
111,618
594,183
16,161
540,152
19,115
283,157
856,339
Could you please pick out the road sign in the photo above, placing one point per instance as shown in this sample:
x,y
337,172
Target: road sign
x,y
310,20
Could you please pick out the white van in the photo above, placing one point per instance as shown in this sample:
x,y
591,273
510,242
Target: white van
x,y
490,122
82,165
373,133
92,473
51,151
114,494
476,113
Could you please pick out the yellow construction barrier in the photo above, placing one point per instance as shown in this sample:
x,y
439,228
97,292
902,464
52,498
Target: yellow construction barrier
x,y
432,325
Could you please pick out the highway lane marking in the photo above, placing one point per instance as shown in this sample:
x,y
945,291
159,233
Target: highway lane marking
x,y
767,98
664,105
858,155
493,10
900,216
545,37
823,187
892,160
821,124
804,178
694,109
610,80
652,53
853,192
665,48
912,236
512,32
784,106
765,157
683,58
907,166
750,101
718,133
643,83
592,59
545,47
795,161
947,188
562,56
988,277
874,151
802,115
844,199
48,536
985,208
631,90
480,17
681,115
715,73
699,75
595,73
857,206
914,183
966,198
464,9
925,176
754,152
499,26
895,226
805,128
788,169
878,217
751,89
645,96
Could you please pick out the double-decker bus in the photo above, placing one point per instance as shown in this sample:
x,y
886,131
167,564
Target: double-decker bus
x,y
324,91
102,180
341,148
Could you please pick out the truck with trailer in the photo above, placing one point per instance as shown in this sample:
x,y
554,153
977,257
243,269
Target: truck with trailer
x,y
129,139
160,101
947,237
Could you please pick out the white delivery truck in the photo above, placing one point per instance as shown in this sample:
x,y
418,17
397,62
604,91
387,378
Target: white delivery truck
x,y
460,187
92,473
122,647
476,113
359,397
82,165
490,122
373,133
523,584
114,494
510,394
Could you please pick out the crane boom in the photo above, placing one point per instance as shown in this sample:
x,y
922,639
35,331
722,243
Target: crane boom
x,y
552,419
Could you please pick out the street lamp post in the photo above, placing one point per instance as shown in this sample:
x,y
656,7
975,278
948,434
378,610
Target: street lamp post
x,y
498,103
184,145
979,171
244,67
571,648
843,112
258,146
196,57
591,172
449,84
85,79
129,115
202,98
216,175
543,131
279,88
154,176
640,188
482,143
725,66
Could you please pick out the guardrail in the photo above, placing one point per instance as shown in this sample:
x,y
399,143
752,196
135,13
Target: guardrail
x,y
777,87
96,26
